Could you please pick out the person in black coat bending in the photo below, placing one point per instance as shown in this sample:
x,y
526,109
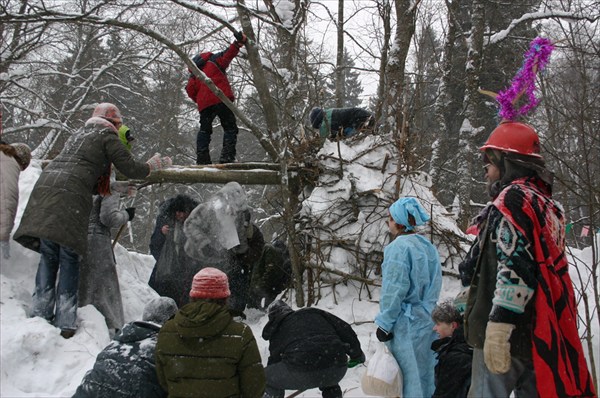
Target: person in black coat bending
x,y
308,348
126,367
453,370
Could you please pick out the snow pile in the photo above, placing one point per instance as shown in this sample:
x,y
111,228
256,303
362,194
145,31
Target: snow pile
x,y
346,214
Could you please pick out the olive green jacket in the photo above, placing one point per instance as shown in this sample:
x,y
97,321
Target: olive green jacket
x,y
203,352
60,203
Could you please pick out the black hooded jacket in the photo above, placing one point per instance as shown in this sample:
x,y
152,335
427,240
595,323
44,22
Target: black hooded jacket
x,y
453,370
309,338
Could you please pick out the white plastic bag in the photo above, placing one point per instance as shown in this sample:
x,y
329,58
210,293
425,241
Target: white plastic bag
x,y
382,377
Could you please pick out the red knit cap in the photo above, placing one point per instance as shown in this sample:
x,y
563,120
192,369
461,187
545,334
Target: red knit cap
x,y
210,283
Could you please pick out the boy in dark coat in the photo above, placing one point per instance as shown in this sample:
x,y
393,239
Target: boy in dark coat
x,y
340,122
309,348
210,106
125,368
203,352
453,369
173,268
55,221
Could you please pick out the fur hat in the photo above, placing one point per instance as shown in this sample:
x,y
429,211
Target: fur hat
x,y
159,310
22,154
210,283
108,112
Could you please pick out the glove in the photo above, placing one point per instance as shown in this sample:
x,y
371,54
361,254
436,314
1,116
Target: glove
x,y
157,163
5,249
496,348
240,38
131,212
356,361
383,336
131,191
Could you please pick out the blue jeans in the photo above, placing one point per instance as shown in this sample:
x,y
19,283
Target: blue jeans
x,y
48,294
520,379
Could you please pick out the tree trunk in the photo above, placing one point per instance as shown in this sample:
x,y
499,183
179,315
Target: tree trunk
x,y
339,69
469,128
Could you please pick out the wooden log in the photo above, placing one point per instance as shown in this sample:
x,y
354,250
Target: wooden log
x,y
254,173
213,175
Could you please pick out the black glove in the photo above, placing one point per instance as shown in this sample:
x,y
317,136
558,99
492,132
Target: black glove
x,y
384,336
131,212
240,36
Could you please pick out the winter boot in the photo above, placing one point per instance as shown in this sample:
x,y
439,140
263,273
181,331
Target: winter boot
x,y
203,157
331,392
67,333
228,152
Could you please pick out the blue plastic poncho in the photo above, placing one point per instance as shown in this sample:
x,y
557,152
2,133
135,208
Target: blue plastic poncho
x,y
411,283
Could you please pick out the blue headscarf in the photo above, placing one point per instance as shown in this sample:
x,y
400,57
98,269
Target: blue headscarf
x,y
405,206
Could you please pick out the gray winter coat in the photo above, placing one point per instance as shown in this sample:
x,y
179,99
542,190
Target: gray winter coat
x,y
60,203
98,280
125,368
9,193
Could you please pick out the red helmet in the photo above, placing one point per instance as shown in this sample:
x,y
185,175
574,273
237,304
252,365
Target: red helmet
x,y
108,111
514,137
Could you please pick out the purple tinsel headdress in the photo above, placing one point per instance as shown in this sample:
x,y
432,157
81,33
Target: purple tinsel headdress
x,y
536,58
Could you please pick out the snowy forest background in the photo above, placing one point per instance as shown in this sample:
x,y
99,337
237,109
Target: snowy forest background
x,y
417,65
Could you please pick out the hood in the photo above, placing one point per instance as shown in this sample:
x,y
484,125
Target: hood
x,y
202,319
136,331
278,311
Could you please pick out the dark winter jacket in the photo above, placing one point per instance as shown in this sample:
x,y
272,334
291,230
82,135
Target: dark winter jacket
x,y
214,66
270,275
453,369
174,270
166,216
310,339
60,203
340,121
125,368
203,352
239,268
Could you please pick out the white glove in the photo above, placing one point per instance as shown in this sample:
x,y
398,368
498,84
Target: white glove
x,y
5,249
496,348
157,163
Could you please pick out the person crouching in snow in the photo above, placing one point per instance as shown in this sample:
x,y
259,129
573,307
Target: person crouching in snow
x,y
203,352
125,368
411,282
55,220
309,348
214,66
341,122
13,159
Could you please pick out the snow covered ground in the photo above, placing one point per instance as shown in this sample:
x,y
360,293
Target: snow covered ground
x,y
36,362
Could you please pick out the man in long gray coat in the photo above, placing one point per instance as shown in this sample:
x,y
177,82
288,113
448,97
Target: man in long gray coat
x,y
55,220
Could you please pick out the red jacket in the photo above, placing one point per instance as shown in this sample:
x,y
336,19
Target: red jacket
x,y
214,69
